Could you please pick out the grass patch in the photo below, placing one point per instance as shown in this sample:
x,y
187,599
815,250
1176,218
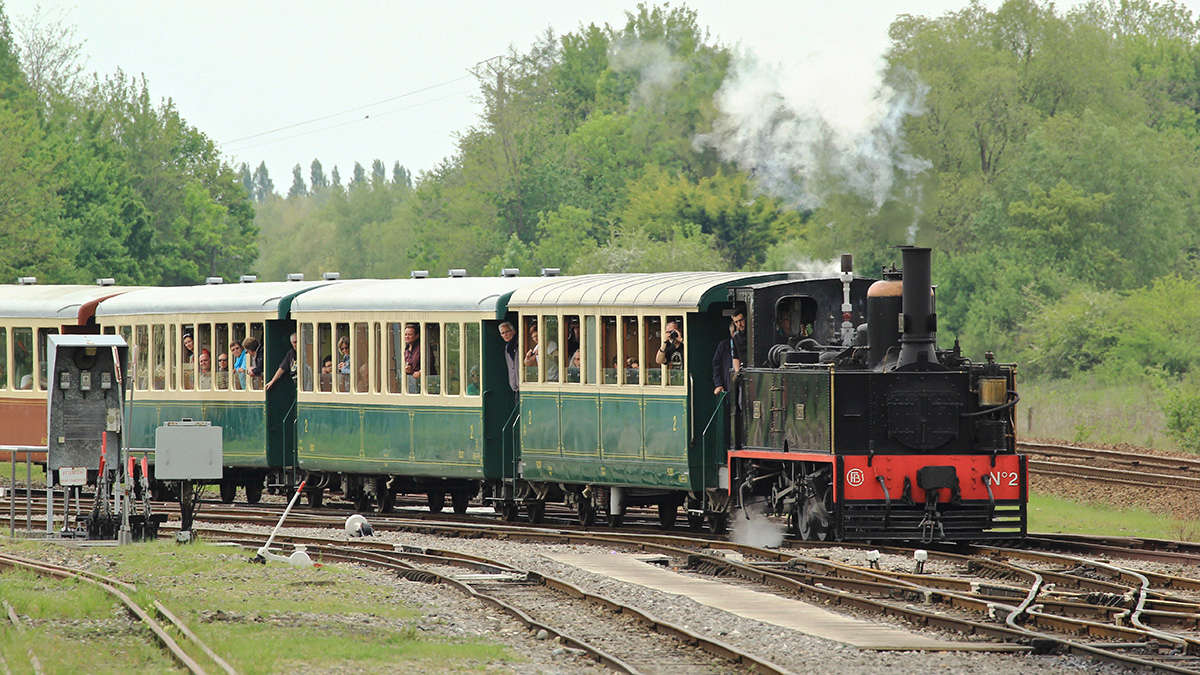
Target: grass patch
x,y
41,597
1086,410
260,618
1048,513
37,476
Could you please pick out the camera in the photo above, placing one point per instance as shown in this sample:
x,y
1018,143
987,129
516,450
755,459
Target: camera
x,y
672,334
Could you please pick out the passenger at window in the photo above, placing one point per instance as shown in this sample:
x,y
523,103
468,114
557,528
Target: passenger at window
x,y
288,365
473,381
509,335
412,358
254,361
26,382
343,355
238,356
671,352
188,345
222,371
572,335
204,362
531,356
327,374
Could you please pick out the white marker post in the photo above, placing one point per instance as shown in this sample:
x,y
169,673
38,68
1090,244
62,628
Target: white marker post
x,y
263,554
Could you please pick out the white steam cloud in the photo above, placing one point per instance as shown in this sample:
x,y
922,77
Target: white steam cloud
x,y
771,124
653,62
755,530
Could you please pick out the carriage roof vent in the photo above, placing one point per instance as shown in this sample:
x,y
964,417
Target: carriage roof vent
x,y
418,274
213,281
551,271
457,272
295,276
331,276
27,281
106,281
510,272
248,278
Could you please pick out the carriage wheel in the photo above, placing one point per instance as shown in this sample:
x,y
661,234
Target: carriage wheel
x,y
437,499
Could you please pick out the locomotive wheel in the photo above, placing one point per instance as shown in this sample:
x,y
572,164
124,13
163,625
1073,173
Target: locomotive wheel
x,y
666,514
315,497
695,522
362,500
510,510
615,521
254,488
228,490
460,500
718,523
587,512
535,511
437,499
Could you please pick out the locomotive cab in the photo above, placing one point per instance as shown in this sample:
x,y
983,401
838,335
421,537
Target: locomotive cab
x,y
873,432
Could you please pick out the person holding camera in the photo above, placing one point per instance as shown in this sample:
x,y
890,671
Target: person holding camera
x,y
671,352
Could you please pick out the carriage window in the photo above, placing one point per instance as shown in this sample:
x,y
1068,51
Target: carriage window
x,y
653,340
221,361
341,380
204,349
629,350
472,349
142,354
362,355
530,349
548,349
3,358
395,359
110,330
325,349
43,334
158,343
255,380
589,355
187,350
306,357
453,354
608,349
237,356
376,351
572,359
410,357
431,358
22,347
676,376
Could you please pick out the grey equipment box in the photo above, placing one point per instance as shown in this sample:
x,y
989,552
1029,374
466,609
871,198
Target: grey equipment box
x,y
85,377
187,450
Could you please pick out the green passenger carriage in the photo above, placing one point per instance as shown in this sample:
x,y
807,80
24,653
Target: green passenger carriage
x,y
177,336
364,420
610,427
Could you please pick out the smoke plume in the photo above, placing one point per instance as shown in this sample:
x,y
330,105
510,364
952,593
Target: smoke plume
x,y
770,124
656,68
755,530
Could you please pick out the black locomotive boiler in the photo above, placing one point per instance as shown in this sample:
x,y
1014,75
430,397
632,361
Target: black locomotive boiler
x,y
869,431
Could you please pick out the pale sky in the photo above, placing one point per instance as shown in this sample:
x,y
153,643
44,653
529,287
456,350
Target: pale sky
x,y
388,78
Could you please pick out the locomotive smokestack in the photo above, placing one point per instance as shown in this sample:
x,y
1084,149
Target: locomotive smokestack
x,y
917,343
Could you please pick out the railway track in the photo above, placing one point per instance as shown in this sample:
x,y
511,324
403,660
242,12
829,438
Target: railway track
x,y
1112,466
182,646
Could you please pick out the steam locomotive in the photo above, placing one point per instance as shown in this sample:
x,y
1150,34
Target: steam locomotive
x,y
872,432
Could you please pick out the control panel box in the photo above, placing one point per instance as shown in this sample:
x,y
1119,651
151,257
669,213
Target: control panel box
x,y
85,402
188,450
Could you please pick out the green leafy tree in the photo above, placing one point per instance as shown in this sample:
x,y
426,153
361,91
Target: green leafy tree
x,y
298,189
264,187
316,176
